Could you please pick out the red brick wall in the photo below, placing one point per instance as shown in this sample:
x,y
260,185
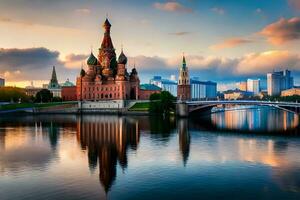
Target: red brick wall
x,y
145,94
69,93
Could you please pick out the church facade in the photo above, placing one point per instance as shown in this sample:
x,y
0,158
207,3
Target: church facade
x,y
107,77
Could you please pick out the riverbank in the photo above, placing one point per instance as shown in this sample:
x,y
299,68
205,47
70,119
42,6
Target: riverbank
x,y
139,108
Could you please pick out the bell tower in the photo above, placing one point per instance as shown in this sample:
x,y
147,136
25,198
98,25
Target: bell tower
x,y
183,87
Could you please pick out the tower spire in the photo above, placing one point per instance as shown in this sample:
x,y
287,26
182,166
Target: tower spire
x,y
53,76
183,61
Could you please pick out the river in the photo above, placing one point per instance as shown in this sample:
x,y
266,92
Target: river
x,y
236,154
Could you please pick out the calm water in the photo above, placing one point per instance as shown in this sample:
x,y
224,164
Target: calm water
x,y
98,157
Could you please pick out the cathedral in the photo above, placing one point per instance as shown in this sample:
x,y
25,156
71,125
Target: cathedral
x,y
106,77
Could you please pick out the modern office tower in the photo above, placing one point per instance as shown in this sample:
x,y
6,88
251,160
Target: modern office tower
x,y
242,86
253,86
2,82
279,81
203,89
184,86
165,84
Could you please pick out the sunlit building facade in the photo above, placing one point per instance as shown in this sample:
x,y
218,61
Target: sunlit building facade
x,y
106,77
253,85
278,81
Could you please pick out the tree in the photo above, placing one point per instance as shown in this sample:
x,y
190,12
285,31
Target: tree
x,y
43,96
162,103
13,94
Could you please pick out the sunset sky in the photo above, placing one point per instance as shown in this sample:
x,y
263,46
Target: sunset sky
x,y
224,40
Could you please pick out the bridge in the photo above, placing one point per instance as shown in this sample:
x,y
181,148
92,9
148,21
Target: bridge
x,y
185,108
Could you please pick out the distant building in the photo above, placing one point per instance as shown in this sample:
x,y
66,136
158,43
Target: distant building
x,y
236,94
68,91
165,84
253,86
203,89
291,92
53,85
184,85
31,90
146,90
279,81
2,82
242,86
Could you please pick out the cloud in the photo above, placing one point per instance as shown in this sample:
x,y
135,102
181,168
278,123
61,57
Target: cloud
x,y
10,20
85,11
219,11
230,43
172,7
33,64
36,64
180,33
261,63
222,68
282,31
75,60
295,4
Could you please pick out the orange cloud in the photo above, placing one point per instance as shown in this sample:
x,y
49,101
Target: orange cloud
x,y
256,63
230,43
282,31
172,7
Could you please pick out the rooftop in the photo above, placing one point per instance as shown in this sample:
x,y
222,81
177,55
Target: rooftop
x,y
149,87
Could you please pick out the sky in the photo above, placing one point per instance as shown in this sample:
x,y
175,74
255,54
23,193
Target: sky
x,y
224,40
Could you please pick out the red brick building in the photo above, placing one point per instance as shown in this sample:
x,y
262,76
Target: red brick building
x,y
68,91
106,77
147,89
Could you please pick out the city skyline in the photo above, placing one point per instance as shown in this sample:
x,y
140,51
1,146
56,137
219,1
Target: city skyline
x,y
154,34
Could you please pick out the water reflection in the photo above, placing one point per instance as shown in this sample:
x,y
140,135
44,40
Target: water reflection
x,y
184,139
107,139
257,119
91,156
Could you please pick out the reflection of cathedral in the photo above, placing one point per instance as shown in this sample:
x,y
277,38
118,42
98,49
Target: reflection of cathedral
x,y
107,138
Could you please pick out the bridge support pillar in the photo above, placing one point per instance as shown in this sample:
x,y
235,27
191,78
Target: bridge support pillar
x,y
182,109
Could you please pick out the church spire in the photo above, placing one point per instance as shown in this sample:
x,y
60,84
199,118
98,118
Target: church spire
x,y
53,76
183,62
106,51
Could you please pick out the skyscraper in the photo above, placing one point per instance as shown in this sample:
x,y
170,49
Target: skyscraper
x,y
253,86
203,89
278,81
184,87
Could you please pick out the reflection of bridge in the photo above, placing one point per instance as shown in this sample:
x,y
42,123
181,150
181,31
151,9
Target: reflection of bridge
x,y
188,107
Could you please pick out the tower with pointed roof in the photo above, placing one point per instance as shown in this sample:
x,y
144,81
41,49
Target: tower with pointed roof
x,y
184,87
107,54
53,85
106,78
